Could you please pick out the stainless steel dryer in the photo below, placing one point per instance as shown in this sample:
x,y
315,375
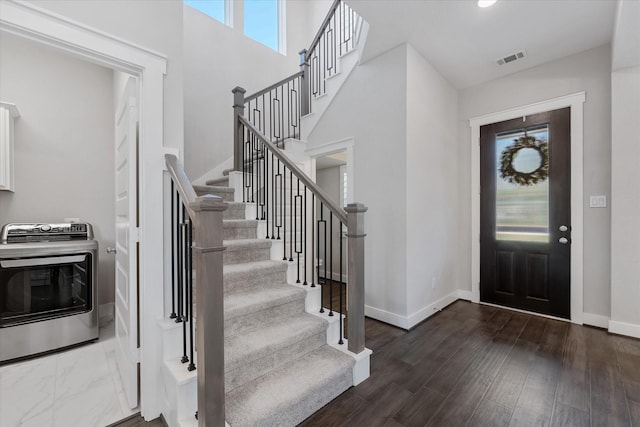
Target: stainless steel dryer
x,y
48,288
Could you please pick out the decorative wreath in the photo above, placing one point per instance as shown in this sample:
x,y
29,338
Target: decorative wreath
x,y
508,172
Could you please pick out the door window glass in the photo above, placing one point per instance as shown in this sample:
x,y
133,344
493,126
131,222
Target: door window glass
x,y
522,185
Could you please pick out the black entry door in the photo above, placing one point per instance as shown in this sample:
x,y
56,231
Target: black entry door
x,y
525,234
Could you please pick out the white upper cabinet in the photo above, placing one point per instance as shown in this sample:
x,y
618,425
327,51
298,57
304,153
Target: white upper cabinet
x,y
8,114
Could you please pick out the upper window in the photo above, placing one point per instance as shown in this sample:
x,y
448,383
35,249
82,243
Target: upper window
x,y
261,22
216,9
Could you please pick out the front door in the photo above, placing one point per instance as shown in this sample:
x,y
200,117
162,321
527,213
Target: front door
x,y
127,351
525,234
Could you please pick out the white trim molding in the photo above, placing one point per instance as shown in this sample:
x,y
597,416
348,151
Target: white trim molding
x,y
621,328
575,101
89,44
596,320
346,144
408,322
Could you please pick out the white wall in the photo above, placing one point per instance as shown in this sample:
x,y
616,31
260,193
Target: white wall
x,y
155,25
218,58
379,133
625,201
63,143
589,71
431,188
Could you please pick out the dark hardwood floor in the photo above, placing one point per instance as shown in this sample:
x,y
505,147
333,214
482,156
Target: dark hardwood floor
x,y
475,365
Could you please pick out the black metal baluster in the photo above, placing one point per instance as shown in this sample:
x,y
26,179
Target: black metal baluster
x,y
314,267
180,258
324,281
291,236
304,222
341,282
173,252
262,188
244,168
331,281
192,365
298,227
183,242
279,205
273,201
266,188
284,214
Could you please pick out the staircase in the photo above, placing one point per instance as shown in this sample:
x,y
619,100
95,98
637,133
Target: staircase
x,y
279,364
270,339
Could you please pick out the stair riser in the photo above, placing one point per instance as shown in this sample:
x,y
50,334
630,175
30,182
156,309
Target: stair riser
x,y
234,211
252,320
245,255
241,232
236,376
236,283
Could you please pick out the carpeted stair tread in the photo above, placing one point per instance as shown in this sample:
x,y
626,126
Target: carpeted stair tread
x,y
247,310
218,182
260,350
243,244
248,267
246,250
252,345
290,394
253,275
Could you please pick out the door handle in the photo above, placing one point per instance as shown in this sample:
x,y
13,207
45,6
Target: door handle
x,y
563,240
111,250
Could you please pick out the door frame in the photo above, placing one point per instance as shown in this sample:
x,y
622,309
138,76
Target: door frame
x,y
95,46
576,102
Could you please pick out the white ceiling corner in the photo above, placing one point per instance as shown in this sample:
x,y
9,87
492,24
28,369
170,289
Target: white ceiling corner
x,y
463,41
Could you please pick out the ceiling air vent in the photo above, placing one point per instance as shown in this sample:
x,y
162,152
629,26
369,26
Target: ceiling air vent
x,y
513,57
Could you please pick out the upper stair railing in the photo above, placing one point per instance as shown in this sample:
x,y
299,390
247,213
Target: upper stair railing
x,y
277,111
337,36
196,237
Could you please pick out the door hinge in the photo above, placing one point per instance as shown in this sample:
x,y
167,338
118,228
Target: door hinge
x,y
135,234
135,355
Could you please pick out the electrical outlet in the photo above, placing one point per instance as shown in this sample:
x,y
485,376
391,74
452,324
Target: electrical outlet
x,y
433,282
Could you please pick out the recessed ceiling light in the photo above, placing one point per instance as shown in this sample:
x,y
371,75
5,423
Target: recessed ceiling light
x,y
486,3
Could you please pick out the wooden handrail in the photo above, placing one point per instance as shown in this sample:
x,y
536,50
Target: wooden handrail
x,y
273,86
181,181
340,213
324,25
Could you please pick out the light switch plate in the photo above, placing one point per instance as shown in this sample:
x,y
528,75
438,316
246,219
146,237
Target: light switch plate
x,y
597,201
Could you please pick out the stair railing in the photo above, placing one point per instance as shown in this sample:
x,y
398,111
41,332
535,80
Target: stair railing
x,y
196,241
311,227
337,36
277,111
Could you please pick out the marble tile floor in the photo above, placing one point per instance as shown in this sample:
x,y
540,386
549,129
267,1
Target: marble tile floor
x,y
80,387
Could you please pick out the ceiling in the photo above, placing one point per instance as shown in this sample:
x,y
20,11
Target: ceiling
x,y
463,41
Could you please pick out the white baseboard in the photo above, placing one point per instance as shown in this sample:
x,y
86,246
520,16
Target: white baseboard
x,y
595,320
106,312
407,322
386,316
621,328
465,295
431,309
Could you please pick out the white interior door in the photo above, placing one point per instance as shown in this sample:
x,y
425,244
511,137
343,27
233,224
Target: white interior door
x,y
127,355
